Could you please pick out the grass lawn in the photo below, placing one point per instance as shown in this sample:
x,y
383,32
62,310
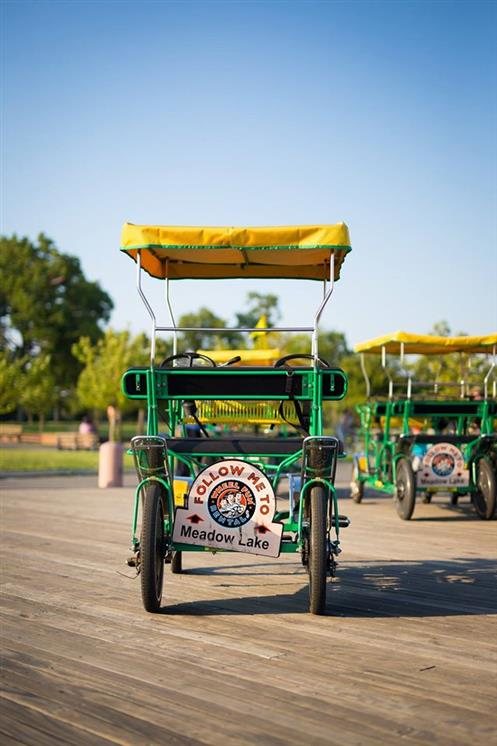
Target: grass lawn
x,y
49,459
128,429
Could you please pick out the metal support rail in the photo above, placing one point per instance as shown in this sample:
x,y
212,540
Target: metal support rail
x,y
487,377
222,330
147,305
327,295
168,301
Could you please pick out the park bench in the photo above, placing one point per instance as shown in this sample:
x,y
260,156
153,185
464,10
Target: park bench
x,y
10,432
76,441
62,440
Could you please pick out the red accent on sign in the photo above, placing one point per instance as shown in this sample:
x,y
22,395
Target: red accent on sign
x,y
194,518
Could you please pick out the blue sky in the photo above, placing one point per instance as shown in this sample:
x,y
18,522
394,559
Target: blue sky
x,y
380,114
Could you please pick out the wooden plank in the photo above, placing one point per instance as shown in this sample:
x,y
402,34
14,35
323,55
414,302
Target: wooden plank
x,y
406,651
31,725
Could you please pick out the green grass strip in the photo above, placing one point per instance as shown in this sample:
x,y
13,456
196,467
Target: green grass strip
x,y
48,460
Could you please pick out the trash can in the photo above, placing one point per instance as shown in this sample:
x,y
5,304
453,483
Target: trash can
x,y
110,464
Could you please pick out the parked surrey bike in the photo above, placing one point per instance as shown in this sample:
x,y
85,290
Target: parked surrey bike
x,y
230,504
432,436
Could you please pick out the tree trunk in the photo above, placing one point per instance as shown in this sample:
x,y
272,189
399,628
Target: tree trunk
x,y
114,417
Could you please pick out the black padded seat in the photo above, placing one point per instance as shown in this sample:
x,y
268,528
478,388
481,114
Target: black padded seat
x,y
235,446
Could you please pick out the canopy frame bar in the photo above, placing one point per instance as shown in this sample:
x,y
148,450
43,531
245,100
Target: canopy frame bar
x,y
174,328
462,384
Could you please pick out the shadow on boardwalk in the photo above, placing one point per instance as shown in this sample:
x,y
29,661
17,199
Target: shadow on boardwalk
x,y
464,510
379,589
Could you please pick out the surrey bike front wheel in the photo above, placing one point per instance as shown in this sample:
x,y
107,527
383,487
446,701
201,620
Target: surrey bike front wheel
x,y
152,547
317,548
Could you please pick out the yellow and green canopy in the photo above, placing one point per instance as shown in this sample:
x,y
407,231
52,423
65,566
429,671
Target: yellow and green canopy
x,y
427,344
291,252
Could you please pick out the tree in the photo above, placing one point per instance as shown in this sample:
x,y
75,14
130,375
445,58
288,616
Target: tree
x,y
99,384
47,304
332,346
257,305
448,370
10,382
441,329
202,340
37,394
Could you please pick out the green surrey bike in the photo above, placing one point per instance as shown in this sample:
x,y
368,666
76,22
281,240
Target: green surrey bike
x,y
217,492
430,436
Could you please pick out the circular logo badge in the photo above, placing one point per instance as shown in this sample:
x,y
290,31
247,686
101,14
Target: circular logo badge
x,y
231,503
443,464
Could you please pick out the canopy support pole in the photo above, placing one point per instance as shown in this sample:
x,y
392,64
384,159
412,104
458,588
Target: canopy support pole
x,y
405,370
387,372
168,301
147,306
365,374
437,371
314,344
487,377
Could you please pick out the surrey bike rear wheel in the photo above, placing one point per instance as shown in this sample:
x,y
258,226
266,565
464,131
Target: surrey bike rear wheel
x,y
317,549
405,489
485,498
152,547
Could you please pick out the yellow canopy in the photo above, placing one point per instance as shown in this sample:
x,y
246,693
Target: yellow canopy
x,y
427,344
294,252
248,357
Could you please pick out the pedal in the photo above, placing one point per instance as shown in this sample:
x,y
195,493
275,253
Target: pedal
x,y
343,521
132,561
288,539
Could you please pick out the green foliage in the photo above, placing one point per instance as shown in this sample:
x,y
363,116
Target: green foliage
x,y
202,340
441,329
99,383
333,347
163,348
449,371
38,395
294,344
47,304
10,382
357,392
257,305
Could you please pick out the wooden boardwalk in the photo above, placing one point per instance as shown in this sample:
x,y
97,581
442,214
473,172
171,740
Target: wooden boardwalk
x,y
407,653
